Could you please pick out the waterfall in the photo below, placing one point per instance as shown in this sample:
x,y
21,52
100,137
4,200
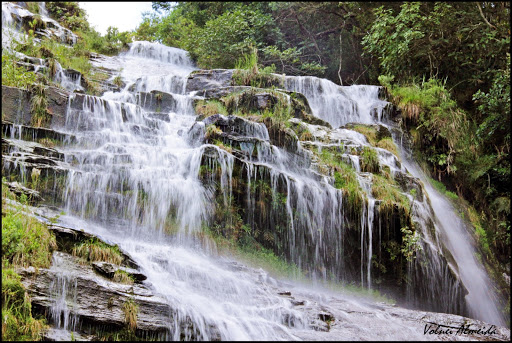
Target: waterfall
x,y
134,180
338,105
341,105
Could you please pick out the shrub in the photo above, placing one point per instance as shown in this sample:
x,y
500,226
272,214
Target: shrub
x,y
123,277
25,240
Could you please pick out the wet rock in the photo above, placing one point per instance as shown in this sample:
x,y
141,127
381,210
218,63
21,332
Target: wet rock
x,y
68,237
217,93
18,189
207,79
96,300
408,183
16,105
156,101
109,269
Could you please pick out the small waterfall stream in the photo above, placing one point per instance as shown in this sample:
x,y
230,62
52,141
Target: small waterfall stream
x,y
341,105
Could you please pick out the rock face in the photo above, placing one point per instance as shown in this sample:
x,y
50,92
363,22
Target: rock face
x,y
94,299
16,105
208,79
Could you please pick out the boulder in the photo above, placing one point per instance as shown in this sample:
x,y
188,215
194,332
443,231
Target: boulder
x,y
156,101
201,80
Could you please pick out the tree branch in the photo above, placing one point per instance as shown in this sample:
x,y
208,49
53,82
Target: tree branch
x,y
482,14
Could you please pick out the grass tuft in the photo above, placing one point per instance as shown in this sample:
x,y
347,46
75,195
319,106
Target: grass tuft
x,y
94,250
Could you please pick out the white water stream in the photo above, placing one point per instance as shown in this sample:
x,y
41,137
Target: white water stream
x,y
341,105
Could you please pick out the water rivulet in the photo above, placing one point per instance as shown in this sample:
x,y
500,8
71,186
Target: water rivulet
x,y
140,174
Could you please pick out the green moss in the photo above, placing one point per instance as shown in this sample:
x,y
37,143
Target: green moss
x,y
344,177
388,144
207,108
244,103
369,160
254,254
480,232
388,192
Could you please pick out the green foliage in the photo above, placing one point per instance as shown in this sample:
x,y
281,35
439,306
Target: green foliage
x,y
39,105
68,14
225,38
248,61
212,131
388,192
480,232
130,309
17,321
344,178
369,160
448,40
13,75
388,144
289,61
206,108
33,7
441,124
25,240
410,243
118,81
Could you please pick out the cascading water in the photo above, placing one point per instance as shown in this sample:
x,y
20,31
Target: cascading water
x,y
341,105
135,181
137,175
481,299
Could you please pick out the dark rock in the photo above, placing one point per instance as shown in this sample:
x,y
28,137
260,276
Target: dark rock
x,y
156,101
96,300
207,79
16,105
67,237
109,269
408,183
217,93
